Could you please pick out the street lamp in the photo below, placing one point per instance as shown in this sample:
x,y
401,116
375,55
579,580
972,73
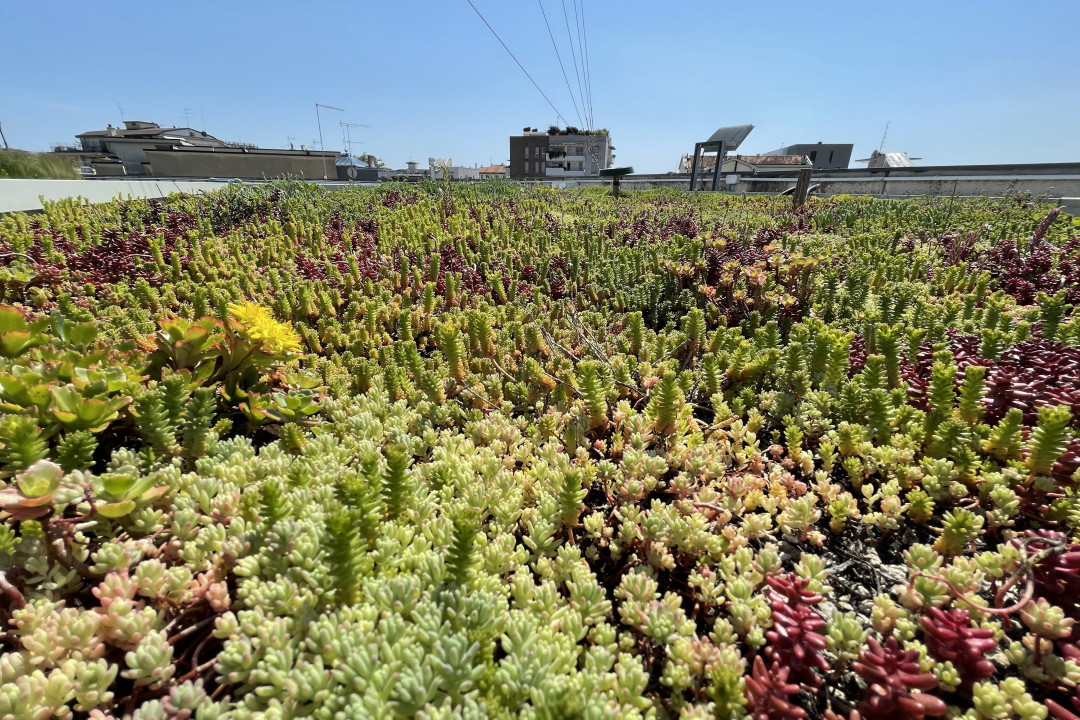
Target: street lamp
x,y
322,148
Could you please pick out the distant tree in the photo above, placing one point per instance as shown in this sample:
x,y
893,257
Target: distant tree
x,y
372,160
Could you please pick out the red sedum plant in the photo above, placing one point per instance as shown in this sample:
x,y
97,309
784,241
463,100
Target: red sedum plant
x,y
795,642
951,638
897,687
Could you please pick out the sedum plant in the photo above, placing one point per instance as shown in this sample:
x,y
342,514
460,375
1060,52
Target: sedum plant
x,y
448,451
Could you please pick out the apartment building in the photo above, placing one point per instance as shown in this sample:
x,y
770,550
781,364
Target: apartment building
x,y
557,153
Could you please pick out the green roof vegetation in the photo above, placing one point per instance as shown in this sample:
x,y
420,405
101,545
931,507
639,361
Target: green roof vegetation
x,y
22,164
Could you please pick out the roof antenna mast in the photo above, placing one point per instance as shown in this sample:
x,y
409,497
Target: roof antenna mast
x,y
121,111
883,135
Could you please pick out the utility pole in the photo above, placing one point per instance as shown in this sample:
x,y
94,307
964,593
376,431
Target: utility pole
x,y
322,148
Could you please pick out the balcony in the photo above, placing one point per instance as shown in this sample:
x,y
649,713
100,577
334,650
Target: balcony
x,y
564,161
560,172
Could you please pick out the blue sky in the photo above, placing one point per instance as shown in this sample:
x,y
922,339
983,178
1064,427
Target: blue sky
x,y
972,81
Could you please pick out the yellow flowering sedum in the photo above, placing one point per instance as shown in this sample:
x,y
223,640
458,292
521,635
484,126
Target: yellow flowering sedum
x,y
276,337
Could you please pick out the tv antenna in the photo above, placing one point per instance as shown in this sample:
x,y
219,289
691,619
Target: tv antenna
x,y
289,139
188,112
322,147
121,109
884,135
346,134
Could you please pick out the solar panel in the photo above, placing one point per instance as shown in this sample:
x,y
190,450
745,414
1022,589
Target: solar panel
x,y
732,136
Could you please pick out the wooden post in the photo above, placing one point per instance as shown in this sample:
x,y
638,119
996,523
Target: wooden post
x,y
802,186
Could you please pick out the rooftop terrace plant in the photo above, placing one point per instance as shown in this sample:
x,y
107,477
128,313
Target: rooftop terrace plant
x,y
467,452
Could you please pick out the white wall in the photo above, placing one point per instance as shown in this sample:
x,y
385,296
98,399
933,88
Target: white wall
x,y
24,195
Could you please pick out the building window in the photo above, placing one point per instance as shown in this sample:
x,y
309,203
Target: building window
x,y
813,156
527,151
830,156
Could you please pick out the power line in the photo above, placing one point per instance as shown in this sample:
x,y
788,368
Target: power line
x,y
573,54
584,70
557,113
588,69
561,66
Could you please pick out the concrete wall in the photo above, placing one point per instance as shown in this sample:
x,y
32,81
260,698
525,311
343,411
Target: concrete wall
x,y
239,164
23,195
132,154
1063,185
108,168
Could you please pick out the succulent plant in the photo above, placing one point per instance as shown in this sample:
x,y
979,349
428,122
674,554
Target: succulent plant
x,y
898,687
440,451
951,638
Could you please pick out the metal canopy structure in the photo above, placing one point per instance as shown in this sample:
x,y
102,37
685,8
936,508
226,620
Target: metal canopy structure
x,y
733,135
721,141
616,174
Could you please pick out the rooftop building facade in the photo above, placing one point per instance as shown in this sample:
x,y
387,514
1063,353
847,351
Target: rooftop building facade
x,y
130,143
439,168
493,172
142,148
528,155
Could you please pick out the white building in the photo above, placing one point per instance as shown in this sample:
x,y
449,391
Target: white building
x,y
436,167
